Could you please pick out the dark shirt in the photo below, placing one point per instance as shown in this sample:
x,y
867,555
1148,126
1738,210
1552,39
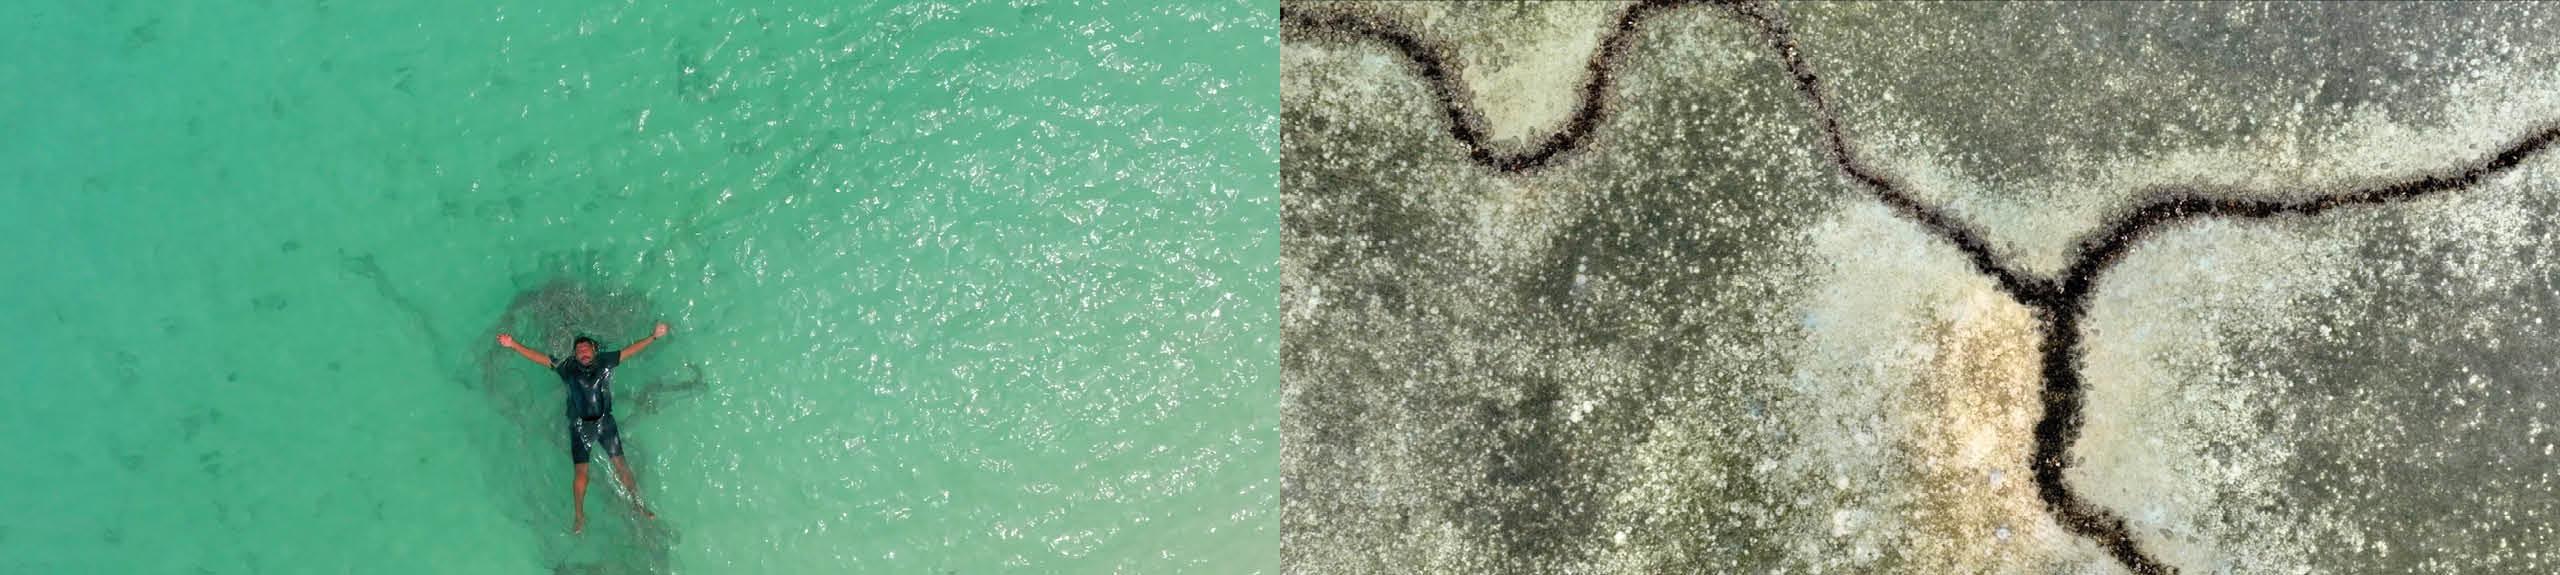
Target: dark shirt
x,y
590,384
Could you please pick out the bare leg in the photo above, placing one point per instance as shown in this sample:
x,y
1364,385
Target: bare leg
x,y
632,485
580,488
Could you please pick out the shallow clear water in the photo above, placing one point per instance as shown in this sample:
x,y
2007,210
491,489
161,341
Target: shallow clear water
x,y
969,286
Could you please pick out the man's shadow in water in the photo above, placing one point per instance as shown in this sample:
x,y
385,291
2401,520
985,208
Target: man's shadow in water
x,y
549,315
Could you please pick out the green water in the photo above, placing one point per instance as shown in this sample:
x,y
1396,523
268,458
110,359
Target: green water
x,y
973,287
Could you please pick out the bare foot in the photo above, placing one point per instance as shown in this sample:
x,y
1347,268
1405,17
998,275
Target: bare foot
x,y
644,511
579,526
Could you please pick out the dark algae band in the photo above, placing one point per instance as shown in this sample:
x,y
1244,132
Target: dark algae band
x,y
1435,63
2060,303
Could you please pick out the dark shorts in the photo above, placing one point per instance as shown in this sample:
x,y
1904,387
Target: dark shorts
x,y
599,431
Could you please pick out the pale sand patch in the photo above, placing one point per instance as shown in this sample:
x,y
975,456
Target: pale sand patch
x,y
1926,379
1513,219
2176,431
1974,407
1535,88
1525,63
2161,393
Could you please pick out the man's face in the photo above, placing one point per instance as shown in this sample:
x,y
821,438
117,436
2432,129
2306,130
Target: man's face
x,y
586,353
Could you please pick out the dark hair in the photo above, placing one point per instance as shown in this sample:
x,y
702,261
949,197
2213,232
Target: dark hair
x,y
584,340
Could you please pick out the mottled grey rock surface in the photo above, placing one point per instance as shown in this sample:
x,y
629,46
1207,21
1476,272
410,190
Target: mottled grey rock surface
x,y
1688,342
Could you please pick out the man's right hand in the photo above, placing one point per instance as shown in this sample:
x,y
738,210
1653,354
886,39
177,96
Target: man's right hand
x,y
509,342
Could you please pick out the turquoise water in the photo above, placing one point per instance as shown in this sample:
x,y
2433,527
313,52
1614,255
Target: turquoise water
x,y
969,287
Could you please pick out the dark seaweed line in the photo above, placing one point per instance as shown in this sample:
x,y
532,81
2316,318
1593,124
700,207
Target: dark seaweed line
x,y
2061,304
1433,61
2059,428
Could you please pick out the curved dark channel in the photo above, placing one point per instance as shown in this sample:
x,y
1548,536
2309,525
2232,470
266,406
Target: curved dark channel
x,y
2061,303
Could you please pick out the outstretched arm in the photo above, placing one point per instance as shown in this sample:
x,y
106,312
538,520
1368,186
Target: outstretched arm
x,y
644,342
509,342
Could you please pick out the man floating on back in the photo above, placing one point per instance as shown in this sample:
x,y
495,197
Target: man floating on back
x,y
588,375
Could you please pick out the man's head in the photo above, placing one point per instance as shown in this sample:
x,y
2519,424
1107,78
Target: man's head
x,y
586,349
